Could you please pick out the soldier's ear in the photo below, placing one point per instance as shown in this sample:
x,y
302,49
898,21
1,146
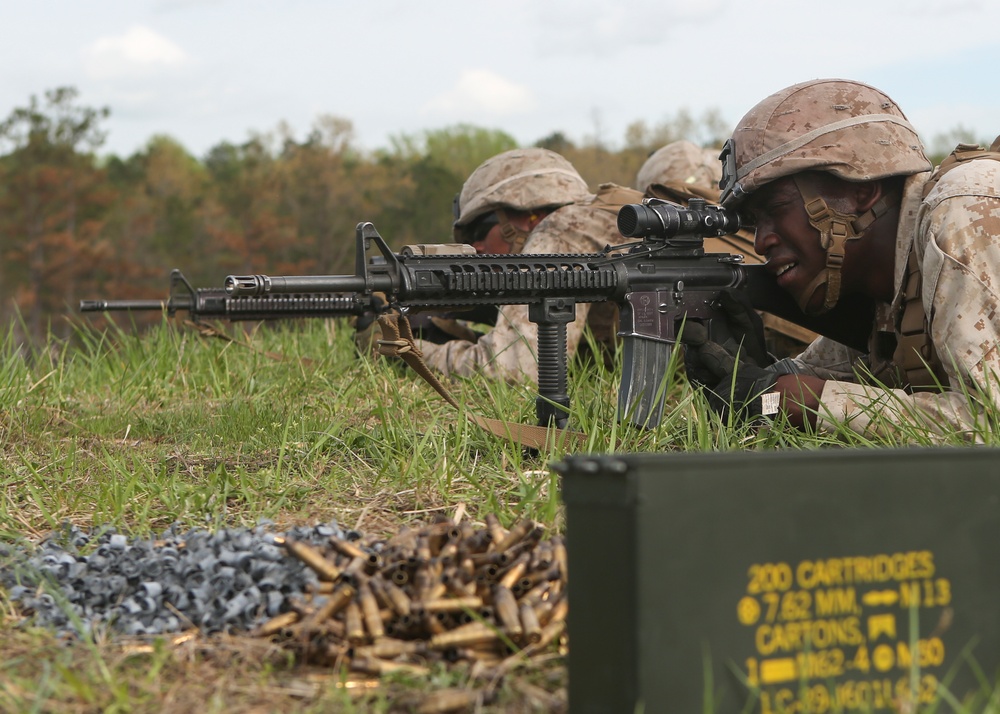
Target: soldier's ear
x,y
867,194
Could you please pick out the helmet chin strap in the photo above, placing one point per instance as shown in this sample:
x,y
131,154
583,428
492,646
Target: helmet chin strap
x,y
513,235
835,230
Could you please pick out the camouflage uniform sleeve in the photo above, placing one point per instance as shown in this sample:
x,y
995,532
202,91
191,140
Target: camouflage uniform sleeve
x,y
508,350
822,358
958,243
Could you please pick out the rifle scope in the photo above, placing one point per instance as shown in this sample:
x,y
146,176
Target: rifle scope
x,y
655,218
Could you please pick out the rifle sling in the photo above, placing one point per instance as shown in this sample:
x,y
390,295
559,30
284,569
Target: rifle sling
x,y
398,341
206,330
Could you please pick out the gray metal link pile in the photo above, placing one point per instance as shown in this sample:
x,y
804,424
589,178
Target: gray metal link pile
x,y
229,580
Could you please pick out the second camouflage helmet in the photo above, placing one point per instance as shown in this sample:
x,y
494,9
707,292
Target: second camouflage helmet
x,y
683,165
843,127
521,180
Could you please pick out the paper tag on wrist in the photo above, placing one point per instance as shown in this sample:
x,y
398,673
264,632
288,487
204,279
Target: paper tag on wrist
x,y
770,403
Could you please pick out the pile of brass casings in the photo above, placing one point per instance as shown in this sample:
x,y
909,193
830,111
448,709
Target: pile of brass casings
x,y
444,592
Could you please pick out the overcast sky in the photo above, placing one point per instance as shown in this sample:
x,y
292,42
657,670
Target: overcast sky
x,y
206,71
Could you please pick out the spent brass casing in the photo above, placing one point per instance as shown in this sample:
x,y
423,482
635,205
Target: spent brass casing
x,y
530,580
477,543
377,586
436,591
276,624
398,599
374,665
532,630
451,604
335,602
373,563
525,545
473,633
537,594
497,532
505,607
559,556
324,569
550,632
464,531
423,552
515,571
423,580
351,550
356,568
400,575
370,611
353,625
516,534
487,573
467,569
541,556
557,613
448,553
488,558
437,535
485,653
434,622
331,627
389,648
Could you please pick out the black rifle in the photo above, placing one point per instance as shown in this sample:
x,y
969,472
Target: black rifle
x,y
217,303
657,282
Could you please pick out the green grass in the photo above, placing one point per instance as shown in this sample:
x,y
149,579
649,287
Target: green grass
x,y
287,424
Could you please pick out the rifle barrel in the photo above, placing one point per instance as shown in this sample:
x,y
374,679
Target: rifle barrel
x,y
249,285
111,305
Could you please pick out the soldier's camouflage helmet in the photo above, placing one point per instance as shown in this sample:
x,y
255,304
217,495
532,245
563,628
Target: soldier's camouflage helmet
x,y
846,128
682,164
521,180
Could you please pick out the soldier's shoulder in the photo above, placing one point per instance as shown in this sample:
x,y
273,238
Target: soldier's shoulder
x,y
581,215
576,228
977,178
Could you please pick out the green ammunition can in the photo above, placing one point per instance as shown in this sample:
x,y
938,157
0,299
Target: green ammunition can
x,y
836,580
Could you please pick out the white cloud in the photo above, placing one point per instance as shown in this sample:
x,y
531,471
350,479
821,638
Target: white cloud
x,y
478,92
588,28
138,52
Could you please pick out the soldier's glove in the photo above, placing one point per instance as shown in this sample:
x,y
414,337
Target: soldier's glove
x,y
731,381
744,328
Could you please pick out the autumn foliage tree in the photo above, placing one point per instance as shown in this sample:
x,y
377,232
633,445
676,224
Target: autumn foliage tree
x,y
53,205
74,225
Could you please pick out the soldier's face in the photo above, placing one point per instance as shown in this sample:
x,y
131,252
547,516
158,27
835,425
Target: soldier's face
x,y
786,239
493,243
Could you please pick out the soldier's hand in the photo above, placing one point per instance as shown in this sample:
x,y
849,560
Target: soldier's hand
x,y
732,384
743,328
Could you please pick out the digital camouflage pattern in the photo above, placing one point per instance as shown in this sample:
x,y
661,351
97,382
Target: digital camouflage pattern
x,y
956,232
508,351
843,127
521,179
683,166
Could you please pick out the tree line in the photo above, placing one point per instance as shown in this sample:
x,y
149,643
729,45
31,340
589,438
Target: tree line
x,y
76,225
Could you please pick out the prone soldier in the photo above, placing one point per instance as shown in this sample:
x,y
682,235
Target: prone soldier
x,y
845,204
529,201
